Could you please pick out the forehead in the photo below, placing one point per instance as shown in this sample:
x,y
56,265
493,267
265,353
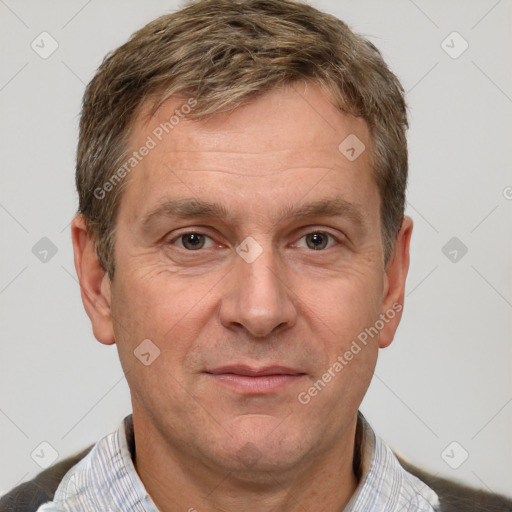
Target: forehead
x,y
288,138
288,119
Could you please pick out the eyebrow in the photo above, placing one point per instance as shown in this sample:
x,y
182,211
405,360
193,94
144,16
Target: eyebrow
x,y
191,207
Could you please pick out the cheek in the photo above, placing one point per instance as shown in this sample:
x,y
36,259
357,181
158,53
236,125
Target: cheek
x,y
163,308
333,398
344,315
156,300
341,305
156,325
340,312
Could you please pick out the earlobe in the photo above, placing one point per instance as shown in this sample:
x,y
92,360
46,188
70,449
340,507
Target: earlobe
x,y
394,283
95,286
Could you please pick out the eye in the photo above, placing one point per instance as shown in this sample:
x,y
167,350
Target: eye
x,y
193,241
318,240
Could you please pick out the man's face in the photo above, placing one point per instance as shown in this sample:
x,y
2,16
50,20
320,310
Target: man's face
x,y
268,254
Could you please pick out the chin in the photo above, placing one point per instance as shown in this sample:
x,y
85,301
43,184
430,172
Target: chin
x,y
259,445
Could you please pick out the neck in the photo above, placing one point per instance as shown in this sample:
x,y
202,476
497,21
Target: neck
x,y
175,480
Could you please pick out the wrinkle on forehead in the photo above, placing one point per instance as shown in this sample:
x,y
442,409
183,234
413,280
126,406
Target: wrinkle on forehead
x,y
261,164
279,120
281,138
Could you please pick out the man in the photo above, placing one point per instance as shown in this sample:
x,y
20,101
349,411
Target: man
x,y
241,238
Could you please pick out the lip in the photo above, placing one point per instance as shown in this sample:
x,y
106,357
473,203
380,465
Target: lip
x,y
249,380
249,371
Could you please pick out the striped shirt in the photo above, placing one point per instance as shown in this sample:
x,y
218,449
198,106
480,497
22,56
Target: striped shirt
x,y
105,480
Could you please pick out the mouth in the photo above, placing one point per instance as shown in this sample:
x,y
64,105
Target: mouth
x,y
250,380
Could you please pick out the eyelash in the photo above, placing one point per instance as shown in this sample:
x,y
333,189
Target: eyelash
x,y
319,232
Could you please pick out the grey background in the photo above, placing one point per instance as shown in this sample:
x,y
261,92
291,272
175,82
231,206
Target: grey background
x,y
447,376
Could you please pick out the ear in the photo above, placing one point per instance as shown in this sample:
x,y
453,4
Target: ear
x,y
394,284
94,282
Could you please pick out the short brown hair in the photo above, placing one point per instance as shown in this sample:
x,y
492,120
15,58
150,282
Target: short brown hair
x,y
225,53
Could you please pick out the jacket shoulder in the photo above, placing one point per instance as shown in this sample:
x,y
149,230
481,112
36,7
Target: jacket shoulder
x,y
455,497
29,496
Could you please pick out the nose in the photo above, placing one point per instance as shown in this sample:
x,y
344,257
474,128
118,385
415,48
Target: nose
x,y
257,298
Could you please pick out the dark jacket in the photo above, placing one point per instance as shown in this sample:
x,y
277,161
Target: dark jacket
x,y
454,497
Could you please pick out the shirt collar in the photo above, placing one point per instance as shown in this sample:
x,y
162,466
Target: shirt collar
x,y
106,478
384,485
